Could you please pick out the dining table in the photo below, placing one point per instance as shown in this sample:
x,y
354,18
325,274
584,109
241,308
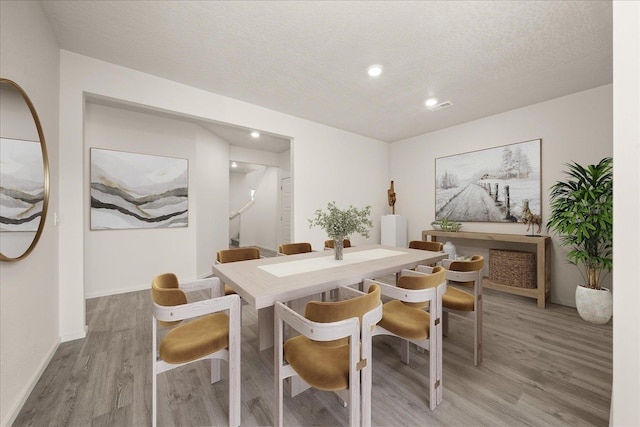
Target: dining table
x,y
262,282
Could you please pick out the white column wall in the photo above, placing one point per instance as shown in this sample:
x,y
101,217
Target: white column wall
x,y
577,128
358,166
29,288
625,410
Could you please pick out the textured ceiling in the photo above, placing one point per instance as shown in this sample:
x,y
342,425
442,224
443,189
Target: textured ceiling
x,y
309,58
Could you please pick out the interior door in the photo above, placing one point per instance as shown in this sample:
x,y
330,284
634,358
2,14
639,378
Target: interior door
x,y
285,210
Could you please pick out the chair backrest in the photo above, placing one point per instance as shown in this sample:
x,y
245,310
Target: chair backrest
x,y
294,248
326,312
474,264
422,281
165,291
426,246
237,254
346,243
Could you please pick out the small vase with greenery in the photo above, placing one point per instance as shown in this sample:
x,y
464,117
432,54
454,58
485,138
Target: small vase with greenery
x,y
341,224
582,215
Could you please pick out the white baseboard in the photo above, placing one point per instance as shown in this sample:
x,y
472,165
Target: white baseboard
x,y
116,291
13,413
75,336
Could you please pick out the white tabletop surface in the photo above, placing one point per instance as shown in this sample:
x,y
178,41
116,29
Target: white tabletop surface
x,y
263,281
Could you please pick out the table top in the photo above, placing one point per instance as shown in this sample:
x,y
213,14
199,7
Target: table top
x,y
262,282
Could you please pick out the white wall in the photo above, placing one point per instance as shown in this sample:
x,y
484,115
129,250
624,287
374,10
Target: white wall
x,y
625,410
358,166
29,288
126,260
577,128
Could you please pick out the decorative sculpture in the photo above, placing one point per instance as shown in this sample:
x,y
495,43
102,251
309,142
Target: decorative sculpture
x,y
529,218
391,196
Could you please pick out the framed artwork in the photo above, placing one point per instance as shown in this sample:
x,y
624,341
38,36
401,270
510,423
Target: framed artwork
x,y
21,185
492,185
130,190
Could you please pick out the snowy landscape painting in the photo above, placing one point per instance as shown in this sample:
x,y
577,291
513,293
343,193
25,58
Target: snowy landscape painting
x,y
131,190
491,185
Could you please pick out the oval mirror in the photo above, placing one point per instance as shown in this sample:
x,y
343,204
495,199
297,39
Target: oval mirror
x,y
24,173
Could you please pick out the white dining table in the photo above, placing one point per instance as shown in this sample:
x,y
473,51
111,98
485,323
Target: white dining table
x,y
262,282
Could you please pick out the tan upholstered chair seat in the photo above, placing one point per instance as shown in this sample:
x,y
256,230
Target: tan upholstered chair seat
x,y
455,299
404,321
325,368
196,339
228,290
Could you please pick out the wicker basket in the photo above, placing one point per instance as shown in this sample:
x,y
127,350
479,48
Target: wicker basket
x,y
512,268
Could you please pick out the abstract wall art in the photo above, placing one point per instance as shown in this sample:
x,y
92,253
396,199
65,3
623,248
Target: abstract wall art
x,y
492,185
130,190
21,185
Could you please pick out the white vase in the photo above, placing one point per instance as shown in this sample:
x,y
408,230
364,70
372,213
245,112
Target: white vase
x,y
594,305
449,249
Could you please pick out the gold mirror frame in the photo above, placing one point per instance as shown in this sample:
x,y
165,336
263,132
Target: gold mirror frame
x,y
45,163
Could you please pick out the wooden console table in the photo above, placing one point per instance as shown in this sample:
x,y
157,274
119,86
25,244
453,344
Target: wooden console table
x,y
543,260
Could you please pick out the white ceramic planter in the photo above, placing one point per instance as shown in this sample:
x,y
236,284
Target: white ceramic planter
x,y
594,305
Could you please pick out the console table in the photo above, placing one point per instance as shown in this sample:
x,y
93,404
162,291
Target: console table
x,y
543,259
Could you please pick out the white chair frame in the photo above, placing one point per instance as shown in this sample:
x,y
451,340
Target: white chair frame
x,y
358,396
217,303
476,315
434,342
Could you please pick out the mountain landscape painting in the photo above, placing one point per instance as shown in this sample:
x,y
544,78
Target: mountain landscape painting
x,y
130,190
492,185
21,185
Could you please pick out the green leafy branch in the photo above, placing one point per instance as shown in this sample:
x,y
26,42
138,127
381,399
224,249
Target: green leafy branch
x,y
340,224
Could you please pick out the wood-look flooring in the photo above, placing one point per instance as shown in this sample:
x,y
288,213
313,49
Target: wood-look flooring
x,y
540,368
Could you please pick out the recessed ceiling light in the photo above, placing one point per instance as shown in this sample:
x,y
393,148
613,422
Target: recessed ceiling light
x,y
255,134
234,165
374,70
430,102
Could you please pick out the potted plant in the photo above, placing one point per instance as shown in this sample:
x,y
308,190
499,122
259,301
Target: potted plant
x,y
340,224
582,215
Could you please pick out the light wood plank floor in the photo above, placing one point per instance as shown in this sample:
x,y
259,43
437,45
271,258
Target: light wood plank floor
x,y
540,368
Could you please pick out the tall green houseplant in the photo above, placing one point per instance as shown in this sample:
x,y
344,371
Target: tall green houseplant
x,y
582,215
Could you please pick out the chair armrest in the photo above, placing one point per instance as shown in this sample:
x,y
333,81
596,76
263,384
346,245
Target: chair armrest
x,y
198,308
315,330
446,263
401,294
213,283
424,269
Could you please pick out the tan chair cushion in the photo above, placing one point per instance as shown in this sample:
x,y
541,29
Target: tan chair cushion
x,y
237,254
426,246
476,263
165,291
423,281
325,368
404,321
456,299
325,365
294,248
333,311
196,339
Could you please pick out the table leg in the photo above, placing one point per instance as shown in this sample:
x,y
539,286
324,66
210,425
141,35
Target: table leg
x,y
265,328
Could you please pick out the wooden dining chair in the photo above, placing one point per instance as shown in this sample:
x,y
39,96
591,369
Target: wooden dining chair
x,y
234,255
328,244
333,352
294,248
212,332
405,317
463,297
